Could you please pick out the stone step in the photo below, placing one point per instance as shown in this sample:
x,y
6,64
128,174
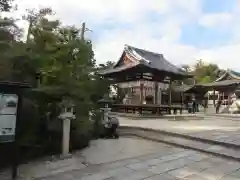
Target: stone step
x,y
235,117
219,142
225,150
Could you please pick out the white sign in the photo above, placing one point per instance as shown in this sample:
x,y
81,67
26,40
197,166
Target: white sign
x,y
8,112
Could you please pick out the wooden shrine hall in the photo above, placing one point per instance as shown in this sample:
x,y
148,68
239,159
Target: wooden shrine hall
x,y
144,81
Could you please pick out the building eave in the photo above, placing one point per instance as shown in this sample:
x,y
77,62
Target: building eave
x,y
228,72
223,76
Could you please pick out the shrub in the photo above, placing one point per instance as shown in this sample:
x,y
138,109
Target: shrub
x,y
81,133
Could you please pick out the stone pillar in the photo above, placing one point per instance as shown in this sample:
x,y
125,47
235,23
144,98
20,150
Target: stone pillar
x,y
66,136
105,111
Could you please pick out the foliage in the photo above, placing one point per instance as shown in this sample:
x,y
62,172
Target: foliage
x,y
60,65
102,84
206,73
5,5
203,72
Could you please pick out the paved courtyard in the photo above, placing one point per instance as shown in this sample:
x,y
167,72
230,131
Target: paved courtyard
x,y
133,159
224,130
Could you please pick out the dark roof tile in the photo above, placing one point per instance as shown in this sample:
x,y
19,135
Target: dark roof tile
x,y
150,59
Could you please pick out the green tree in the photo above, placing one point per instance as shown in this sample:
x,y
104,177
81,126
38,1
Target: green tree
x,y
6,5
60,65
205,73
202,72
9,35
65,66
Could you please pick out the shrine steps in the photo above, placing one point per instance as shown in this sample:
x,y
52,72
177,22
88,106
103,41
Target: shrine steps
x,y
216,148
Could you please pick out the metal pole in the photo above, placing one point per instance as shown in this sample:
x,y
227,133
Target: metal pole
x,y
15,157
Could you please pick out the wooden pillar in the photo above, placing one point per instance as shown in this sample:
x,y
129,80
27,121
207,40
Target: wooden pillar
x,y
214,101
229,98
182,98
141,92
182,102
156,93
170,95
160,97
223,98
118,94
145,93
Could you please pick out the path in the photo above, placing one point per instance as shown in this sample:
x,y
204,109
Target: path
x,y
224,130
133,159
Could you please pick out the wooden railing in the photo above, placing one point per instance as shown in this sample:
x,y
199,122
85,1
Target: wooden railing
x,y
153,108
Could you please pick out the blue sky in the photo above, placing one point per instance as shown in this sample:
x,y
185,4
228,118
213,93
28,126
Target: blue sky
x,y
206,37
216,6
182,30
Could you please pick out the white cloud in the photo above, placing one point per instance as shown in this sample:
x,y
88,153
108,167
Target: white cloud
x,y
110,48
162,37
225,56
216,20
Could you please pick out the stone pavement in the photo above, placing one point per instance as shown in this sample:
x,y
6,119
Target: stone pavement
x,y
223,130
134,159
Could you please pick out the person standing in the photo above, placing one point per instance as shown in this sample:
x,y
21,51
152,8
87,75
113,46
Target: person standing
x,y
193,105
205,104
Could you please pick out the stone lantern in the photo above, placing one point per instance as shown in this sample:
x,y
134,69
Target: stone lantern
x,y
105,109
66,116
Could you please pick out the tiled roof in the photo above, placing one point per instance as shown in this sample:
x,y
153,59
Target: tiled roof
x,y
148,59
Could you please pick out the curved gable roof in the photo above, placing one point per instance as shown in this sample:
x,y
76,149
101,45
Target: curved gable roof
x,y
155,60
147,58
231,73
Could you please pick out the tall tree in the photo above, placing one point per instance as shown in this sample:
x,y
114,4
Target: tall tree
x,y
6,5
9,35
205,73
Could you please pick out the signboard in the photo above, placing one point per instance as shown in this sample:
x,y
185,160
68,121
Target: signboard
x,y
8,113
